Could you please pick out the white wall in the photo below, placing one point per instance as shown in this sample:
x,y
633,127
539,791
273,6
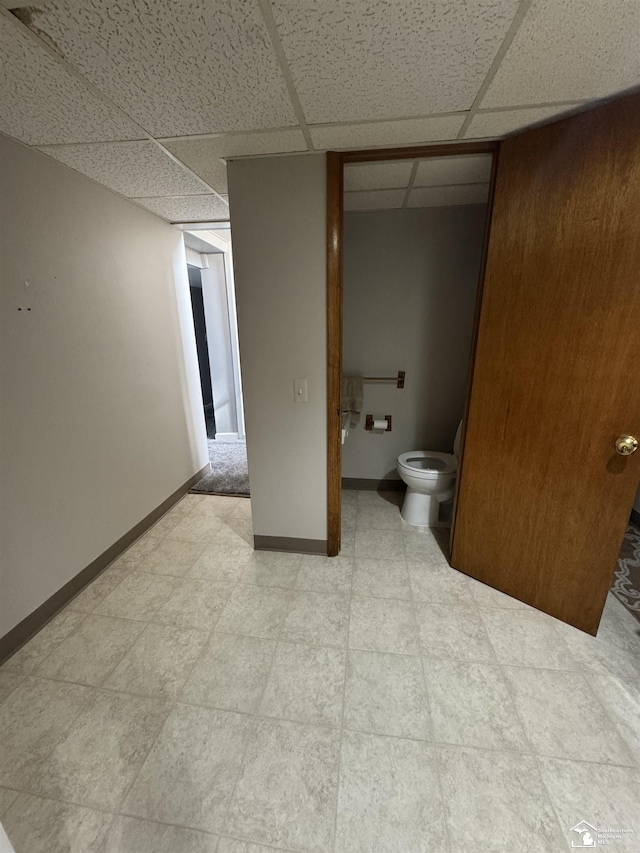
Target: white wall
x,y
278,214
97,401
410,280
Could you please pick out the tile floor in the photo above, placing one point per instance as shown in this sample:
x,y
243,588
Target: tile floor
x,y
202,697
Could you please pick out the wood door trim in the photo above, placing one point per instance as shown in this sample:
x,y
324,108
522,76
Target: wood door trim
x,y
335,164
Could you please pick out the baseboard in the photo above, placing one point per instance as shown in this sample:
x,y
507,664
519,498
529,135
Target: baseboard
x,y
32,623
227,436
365,485
635,517
289,543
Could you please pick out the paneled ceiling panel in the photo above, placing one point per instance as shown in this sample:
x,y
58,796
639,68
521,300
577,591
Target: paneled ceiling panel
x,y
131,168
377,176
374,200
507,121
178,68
448,196
196,208
438,171
42,103
370,135
204,155
375,59
570,50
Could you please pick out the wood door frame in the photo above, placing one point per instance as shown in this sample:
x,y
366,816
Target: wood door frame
x,y
335,192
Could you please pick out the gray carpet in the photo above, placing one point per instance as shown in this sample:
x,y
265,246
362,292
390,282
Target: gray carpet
x,y
229,472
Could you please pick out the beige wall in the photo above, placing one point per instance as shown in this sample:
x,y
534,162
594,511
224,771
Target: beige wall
x,y
99,407
410,281
278,226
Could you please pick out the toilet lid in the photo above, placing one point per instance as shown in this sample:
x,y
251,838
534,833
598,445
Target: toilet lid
x,y
429,462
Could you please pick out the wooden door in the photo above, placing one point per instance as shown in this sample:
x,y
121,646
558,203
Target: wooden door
x,y
543,497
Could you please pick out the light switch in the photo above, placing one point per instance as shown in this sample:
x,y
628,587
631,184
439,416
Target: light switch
x,y
300,393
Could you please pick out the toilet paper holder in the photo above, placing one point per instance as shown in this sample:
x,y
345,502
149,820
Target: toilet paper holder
x,y
368,424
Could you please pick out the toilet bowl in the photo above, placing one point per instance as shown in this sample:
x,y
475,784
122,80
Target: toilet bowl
x,y
431,478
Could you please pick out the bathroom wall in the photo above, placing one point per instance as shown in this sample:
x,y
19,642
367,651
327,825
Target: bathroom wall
x,y
410,279
101,414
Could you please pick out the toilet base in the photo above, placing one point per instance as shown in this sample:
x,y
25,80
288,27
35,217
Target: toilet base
x,y
421,510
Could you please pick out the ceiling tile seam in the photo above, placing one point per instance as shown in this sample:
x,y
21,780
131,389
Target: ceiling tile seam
x,y
281,58
412,177
518,18
73,71
224,201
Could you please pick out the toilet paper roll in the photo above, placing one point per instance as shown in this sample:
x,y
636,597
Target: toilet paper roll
x,y
380,423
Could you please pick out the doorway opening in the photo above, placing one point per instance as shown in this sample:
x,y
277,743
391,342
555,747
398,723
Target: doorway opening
x,y
211,284
407,234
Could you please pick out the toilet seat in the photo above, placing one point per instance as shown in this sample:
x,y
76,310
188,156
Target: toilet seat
x,y
428,464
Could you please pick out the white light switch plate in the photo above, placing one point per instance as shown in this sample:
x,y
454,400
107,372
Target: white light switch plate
x,y
300,391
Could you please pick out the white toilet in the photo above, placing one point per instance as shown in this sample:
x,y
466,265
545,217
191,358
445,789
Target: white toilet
x,y
431,478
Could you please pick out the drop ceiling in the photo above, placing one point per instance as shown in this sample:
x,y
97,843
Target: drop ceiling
x,y
152,99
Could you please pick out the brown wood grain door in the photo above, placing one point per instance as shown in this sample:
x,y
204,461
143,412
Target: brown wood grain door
x,y
543,497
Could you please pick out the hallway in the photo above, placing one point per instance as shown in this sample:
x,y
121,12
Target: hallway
x,y
199,696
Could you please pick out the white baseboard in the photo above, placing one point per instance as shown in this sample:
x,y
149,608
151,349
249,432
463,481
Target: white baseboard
x,y
227,436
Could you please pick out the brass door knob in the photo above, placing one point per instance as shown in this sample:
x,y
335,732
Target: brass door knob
x,y
626,445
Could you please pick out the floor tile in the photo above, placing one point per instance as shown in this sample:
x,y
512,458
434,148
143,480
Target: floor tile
x,y
606,654
381,579
231,673
435,582
471,706
195,604
378,518
236,534
496,801
383,625
232,845
166,525
621,700
526,639
348,543
255,611
286,790
197,528
373,498
171,557
219,506
159,662
39,825
30,656
306,684
389,796
139,596
219,564
266,568
98,759
320,618
605,797
420,544
7,797
562,718
98,590
385,694
188,777
325,574
487,597
34,717
379,544
92,650
8,683
242,509
131,835
134,554
452,631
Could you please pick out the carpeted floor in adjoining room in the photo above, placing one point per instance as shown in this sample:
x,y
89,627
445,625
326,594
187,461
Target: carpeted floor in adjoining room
x,y
229,471
626,580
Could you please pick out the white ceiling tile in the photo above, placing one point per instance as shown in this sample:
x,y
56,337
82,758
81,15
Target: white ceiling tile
x,y
377,176
462,169
195,208
406,132
448,196
204,155
42,103
507,121
570,50
178,68
374,59
374,200
130,168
